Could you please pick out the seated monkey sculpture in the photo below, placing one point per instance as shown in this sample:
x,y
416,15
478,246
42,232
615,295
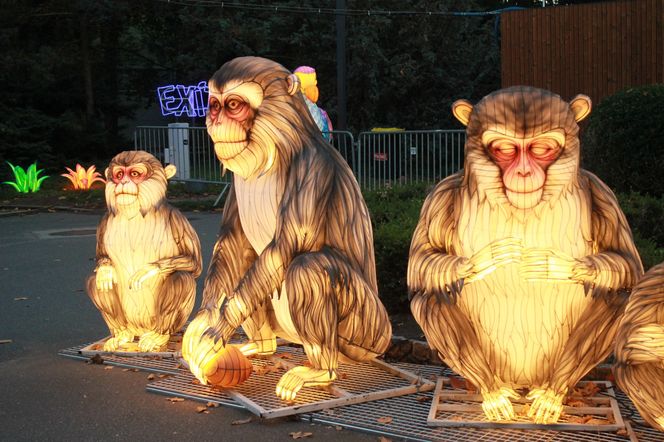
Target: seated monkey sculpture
x,y
294,257
521,263
148,256
639,368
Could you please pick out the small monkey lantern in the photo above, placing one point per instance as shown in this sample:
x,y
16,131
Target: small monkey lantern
x,y
294,257
148,256
639,368
521,263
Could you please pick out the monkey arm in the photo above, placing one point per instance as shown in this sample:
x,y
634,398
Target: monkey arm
x,y
432,269
105,275
617,265
189,247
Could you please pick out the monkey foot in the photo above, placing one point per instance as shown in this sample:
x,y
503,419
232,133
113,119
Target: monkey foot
x,y
152,341
497,406
546,407
118,340
264,347
299,377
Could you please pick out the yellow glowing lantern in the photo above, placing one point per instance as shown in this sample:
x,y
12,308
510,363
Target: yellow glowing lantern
x,y
639,368
521,263
148,257
294,257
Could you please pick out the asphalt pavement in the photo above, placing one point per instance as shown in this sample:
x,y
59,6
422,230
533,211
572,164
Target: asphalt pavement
x,y
45,259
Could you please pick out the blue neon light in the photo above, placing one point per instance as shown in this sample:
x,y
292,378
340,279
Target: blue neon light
x,y
177,99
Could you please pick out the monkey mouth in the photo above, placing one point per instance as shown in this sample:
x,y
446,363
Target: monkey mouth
x,y
226,150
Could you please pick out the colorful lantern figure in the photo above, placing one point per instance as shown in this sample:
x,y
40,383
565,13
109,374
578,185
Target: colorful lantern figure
x,y
520,264
294,257
639,368
148,256
309,85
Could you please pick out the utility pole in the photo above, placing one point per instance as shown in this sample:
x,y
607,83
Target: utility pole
x,y
341,64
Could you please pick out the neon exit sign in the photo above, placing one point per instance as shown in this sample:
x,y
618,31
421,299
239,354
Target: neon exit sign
x,y
177,99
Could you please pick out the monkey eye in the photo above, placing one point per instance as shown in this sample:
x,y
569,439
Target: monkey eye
x,y
503,149
214,107
135,173
544,149
119,174
234,105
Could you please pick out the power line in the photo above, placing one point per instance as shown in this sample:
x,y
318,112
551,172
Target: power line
x,y
332,11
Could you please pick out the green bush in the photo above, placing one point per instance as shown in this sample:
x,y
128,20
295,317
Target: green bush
x,y
645,215
624,141
394,215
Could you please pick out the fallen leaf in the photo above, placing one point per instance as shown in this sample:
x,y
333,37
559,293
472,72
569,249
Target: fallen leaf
x,y
162,375
201,408
622,432
151,376
457,383
422,399
384,420
108,367
595,421
338,428
125,369
589,389
576,403
96,359
195,381
212,405
21,298
285,355
384,439
300,434
455,418
241,421
175,399
576,419
343,375
6,341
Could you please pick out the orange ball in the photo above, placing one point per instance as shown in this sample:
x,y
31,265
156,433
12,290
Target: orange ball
x,y
229,368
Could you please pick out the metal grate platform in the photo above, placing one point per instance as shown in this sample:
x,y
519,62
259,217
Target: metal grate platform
x,y
356,383
408,413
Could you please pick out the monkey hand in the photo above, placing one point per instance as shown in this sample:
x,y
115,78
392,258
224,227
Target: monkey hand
x,y
197,345
105,277
141,275
489,258
547,405
296,378
497,406
547,265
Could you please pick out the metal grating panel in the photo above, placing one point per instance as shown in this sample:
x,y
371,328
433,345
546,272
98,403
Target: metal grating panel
x,y
356,383
409,413
152,364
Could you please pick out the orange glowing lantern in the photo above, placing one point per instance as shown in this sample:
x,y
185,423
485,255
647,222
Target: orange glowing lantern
x,y
82,178
229,368
521,263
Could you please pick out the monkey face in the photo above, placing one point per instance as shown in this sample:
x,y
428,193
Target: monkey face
x,y
126,180
523,162
232,108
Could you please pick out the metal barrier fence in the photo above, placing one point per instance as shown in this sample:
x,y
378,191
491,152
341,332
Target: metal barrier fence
x,y
392,158
378,159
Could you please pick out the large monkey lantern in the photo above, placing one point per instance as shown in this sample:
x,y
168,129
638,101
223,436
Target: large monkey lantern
x,y
148,256
294,257
520,263
639,368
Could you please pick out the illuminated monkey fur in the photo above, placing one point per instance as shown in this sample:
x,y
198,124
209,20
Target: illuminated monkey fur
x,y
639,368
295,256
148,256
521,263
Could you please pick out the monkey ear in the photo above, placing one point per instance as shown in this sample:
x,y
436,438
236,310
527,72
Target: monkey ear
x,y
293,84
170,171
462,110
108,177
581,106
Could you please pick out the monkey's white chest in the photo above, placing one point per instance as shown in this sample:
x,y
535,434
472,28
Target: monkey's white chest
x,y
258,200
